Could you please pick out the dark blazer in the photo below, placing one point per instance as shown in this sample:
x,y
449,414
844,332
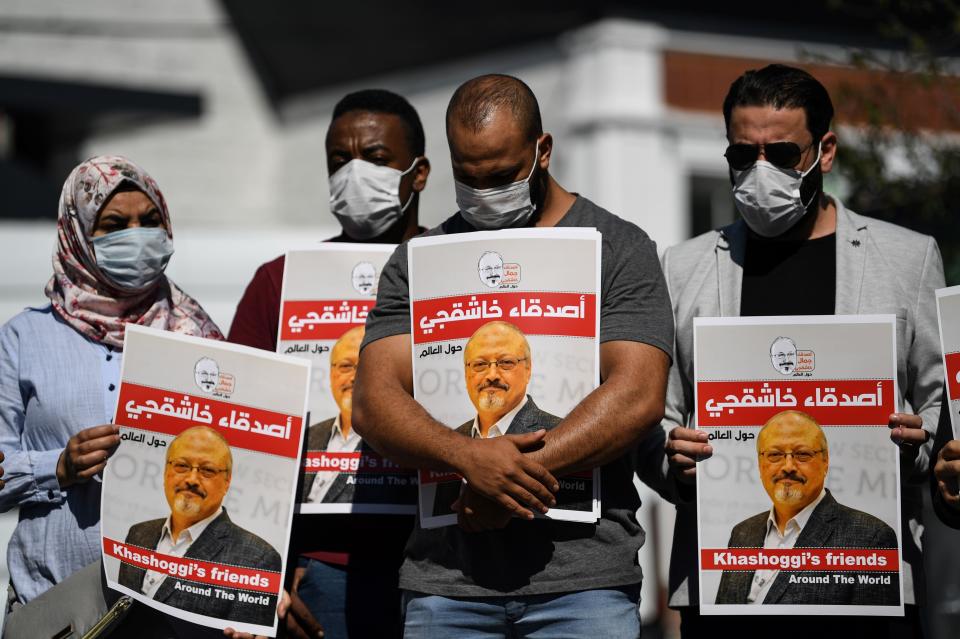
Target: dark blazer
x,y
529,419
831,525
222,542
318,438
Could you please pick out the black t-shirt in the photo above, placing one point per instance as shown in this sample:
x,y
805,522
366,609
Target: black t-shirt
x,y
789,278
544,556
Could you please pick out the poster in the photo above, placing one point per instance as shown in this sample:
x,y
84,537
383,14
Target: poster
x,y
798,508
948,312
504,331
327,293
198,498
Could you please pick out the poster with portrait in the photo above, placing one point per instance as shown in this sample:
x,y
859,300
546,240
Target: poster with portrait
x,y
798,507
505,328
198,498
948,312
327,293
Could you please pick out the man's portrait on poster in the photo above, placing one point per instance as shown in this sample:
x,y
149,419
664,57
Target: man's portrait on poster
x,y
336,434
498,365
793,461
196,479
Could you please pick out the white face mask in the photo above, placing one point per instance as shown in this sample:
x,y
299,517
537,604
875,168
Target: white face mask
x,y
133,258
499,207
768,197
365,198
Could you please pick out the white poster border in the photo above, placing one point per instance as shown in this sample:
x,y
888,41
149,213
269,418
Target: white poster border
x,y
949,291
204,620
302,508
793,609
540,233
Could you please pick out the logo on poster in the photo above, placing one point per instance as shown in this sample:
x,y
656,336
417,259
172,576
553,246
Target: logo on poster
x,y
494,273
788,360
364,278
209,379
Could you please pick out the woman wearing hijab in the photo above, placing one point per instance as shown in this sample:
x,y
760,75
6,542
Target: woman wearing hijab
x,y
60,365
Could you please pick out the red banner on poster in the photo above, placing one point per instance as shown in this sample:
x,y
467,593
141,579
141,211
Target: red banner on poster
x,y
867,402
169,412
953,374
205,572
321,319
801,559
458,317
351,463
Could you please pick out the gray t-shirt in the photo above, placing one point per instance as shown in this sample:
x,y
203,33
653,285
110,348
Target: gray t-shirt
x,y
544,556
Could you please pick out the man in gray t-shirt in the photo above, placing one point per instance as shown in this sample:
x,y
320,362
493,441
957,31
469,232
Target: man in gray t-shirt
x,y
500,571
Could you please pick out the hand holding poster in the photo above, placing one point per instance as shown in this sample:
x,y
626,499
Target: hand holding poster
x,y
327,293
198,499
948,312
799,505
505,341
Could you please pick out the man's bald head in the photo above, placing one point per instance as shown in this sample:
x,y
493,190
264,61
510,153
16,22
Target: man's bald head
x,y
209,438
793,421
475,103
348,344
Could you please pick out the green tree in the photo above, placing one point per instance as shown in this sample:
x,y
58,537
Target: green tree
x,y
903,165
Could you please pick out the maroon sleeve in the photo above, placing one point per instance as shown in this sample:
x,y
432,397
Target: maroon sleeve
x,y
258,313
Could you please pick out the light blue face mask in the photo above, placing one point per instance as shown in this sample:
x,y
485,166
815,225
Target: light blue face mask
x,y
133,258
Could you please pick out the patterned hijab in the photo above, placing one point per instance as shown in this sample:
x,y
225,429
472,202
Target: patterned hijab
x,y
81,293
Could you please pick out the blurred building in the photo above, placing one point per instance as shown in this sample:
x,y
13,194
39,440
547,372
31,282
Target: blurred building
x,y
226,104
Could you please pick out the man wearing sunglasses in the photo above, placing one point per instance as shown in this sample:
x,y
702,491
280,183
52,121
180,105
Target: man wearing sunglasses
x,y
794,237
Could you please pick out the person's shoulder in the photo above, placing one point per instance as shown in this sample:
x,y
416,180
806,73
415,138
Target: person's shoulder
x,y
323,425
33,321
751,524
610,225
145,530
32,315
466,428
694,248
246,543
858,524
542,416
272,269
887,233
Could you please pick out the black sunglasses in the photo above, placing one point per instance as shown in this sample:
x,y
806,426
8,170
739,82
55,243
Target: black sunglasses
x,y
785,155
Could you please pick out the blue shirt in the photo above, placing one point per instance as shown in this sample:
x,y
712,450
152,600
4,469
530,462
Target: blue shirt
x,y
54,382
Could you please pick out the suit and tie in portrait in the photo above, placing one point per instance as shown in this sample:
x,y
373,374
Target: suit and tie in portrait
x,y
831,525
336,435
527,419
196,479
497,370
793,458
221,542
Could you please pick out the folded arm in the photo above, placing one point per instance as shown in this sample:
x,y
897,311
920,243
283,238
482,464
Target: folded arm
x,y
397,426
616,415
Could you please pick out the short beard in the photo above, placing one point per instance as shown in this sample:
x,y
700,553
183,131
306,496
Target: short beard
x,y
491,401
187,503
788,494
